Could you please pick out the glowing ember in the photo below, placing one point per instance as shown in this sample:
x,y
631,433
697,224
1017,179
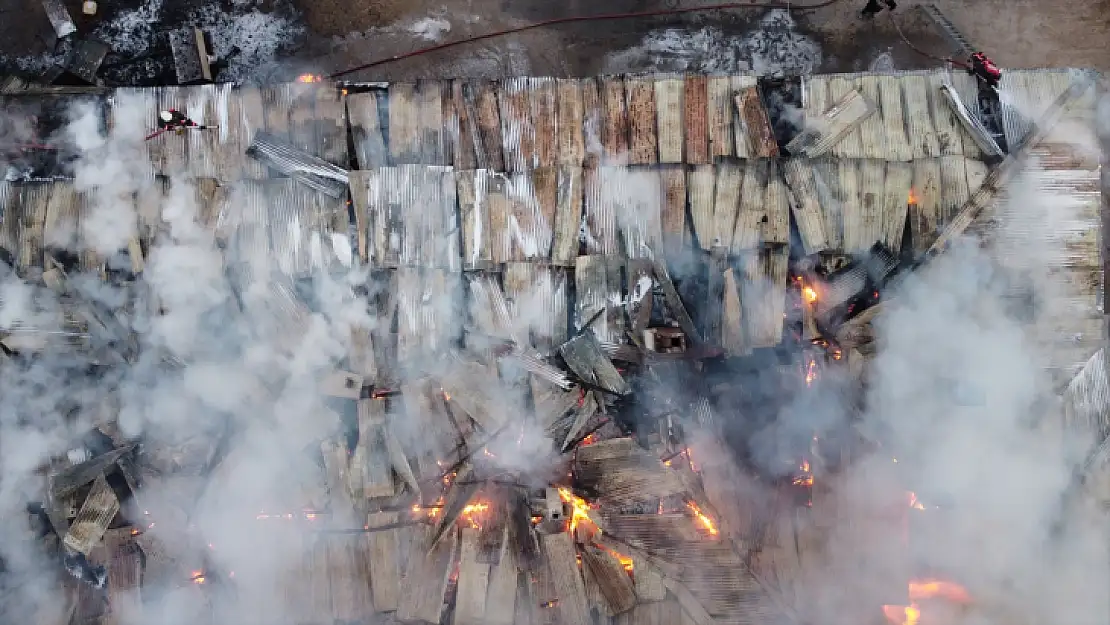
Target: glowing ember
x,y
580,510
471,513
589,440
810,294
912,199
308,78
704,520
626,561
197,577
811,372
432,511
806,478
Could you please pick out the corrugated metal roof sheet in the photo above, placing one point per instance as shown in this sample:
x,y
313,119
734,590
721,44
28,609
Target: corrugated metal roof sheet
x,y
670,116
695,119
518,135
542,96
571,147
1087,399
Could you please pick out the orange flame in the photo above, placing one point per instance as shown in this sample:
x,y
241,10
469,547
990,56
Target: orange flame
x,y
806,478
474,510
914,503
626,561
308,78
902,614
706,522
580,509
811,372
912,199
810,294
197,577
939,589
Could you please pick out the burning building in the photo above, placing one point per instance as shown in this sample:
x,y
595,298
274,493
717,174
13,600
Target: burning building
x,y
567,307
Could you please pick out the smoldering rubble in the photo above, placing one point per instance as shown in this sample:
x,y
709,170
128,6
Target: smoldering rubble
x,y
555,360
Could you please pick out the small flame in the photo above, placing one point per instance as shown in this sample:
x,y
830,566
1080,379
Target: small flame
x,y
902,614
704,520
810,294
912,198
915,503
935,588
811,372
197,577
589,440
626,561
580,510
806,478
308,78
474,510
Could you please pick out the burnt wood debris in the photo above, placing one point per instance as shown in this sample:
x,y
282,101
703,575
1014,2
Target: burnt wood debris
x,y
619,264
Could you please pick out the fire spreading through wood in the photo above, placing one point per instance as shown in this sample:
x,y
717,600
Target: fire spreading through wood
x,y
547,423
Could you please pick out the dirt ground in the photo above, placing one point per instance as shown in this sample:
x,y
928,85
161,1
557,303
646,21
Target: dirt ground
x,y
325,36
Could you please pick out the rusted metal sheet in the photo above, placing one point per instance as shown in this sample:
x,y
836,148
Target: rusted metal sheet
x,y
672,178
807,205
642,146
863,220
614,120
700,183
600,213
669,93
518,135
948,132
726,203
925,207
501,243
752,214
488,142
754,126
592,122
208,106
823,133
919,126
542,97
429,95
538,301
571,123
719,108
896,193
850,146
873,134
696,120
404,123
776,230
953,186
894,123
300,228
568,216
366,130
464,114
477,251
977,172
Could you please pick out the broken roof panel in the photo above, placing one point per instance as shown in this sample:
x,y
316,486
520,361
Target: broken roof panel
x,y
643,145
518,135
570,123
542,97
1026,96
695,119
614,119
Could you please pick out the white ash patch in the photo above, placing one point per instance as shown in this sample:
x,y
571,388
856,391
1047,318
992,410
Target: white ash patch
x,y
132,32
430,28
884,63
259,37
777,48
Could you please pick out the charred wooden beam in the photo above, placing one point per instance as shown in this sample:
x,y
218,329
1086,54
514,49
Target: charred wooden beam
x,y
426,578
85,58
473,581
191,56
384,561
68,481
611,578
59,18
674,302
562,566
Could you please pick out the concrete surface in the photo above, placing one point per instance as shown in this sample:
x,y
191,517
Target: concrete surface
x,y
281,38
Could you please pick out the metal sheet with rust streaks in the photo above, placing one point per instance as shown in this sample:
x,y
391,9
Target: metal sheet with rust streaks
x,y
758,137
482,96
643,145
614,120
719,116
571,123
696,120
404,124
542,96
669,118
518,135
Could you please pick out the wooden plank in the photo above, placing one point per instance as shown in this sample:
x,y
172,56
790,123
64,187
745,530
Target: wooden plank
x,y
562,566
477,251
872,130
464,114
896,193
752,214
719,106
363,113
758,138
571,123
922,136
726,203
371,458
501,592
890,104
545,181
488,142
925,210
404,123
776,203
568,216
518,135
700,182
473,582
363,207
672,179
713,313
696,120
669,119
611,578
92,520
385,561
863,223
806,205
426,577
541,92
614,120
